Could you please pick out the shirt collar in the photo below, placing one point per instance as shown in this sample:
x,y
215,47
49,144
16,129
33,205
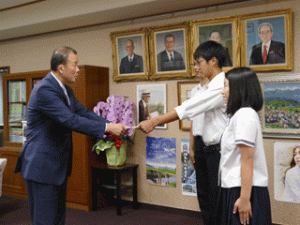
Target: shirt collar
x,y
131,58
268,45
217,82
59,82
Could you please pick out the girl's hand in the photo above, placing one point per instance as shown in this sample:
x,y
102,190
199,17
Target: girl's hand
x,y
244,208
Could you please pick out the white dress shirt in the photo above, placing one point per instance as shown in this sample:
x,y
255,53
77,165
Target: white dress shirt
x,y
244,128
211,103
199,119
268,47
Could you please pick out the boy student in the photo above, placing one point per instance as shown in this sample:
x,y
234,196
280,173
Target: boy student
x,y
209,60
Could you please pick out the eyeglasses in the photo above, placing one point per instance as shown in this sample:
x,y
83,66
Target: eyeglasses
x,y
197,63
265,32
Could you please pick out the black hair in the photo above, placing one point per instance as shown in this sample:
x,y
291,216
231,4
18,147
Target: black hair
x,y
244,90
60,56
210,49
169,35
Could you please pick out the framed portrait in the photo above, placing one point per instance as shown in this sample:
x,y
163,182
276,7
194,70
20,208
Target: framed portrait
x,y
169,52
184,89
151,102
286,170
267,40
280,114
130,55
222,30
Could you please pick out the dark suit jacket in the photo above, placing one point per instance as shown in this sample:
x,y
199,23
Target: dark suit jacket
x,y
228,61
143,112
136,66
164,64
276,53
46,156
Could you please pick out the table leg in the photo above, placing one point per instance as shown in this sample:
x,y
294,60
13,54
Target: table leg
x,y
118,177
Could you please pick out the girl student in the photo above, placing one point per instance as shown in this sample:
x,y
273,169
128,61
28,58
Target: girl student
x,y
244,196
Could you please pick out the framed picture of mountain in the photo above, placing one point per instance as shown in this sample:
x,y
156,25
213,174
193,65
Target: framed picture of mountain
x,y
280,115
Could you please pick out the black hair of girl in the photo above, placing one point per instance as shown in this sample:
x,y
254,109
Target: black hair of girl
x,y
244,90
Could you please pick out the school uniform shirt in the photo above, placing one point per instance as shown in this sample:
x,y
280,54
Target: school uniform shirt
x,y
211,103
292,185
199,119
243,128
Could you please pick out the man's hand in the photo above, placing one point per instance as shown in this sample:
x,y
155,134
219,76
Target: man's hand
x,y
146,125
117,129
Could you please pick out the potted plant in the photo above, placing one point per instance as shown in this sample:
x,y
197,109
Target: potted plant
x,y
116,110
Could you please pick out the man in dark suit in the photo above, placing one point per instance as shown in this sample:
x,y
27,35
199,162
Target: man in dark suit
x,y
169,59
268,51
53,113
143,108
132,63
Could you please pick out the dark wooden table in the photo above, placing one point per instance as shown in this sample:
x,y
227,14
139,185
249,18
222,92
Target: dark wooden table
x,y
105,179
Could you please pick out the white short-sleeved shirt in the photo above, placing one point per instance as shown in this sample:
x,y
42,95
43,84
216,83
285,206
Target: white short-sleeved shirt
x,y
211,103
199,119
243,128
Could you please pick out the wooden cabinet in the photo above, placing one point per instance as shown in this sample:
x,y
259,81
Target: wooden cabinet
x,y
92,86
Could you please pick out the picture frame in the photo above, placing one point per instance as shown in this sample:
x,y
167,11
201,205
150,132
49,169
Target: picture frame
x,y
163,39
223,30
151,102
184,93
259,28
280,115
125,43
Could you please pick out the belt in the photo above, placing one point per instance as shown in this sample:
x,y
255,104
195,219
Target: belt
x,y
211,148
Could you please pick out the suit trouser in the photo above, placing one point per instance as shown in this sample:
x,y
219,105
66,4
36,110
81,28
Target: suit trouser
x,y
47,202
207,160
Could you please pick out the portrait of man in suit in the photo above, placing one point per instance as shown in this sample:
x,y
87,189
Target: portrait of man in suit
x,y
169,59
267,51
143,107
216,36
53,112
132,63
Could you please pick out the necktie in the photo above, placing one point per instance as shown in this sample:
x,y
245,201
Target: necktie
x,y
65,91
265,54
171,56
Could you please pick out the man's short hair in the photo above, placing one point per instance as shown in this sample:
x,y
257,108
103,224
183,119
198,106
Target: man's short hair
x,y
60,56
168,36
265,24
210,49
130,41
244,90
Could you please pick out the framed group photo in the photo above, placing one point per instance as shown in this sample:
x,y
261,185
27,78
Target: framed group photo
x,y
221,30
130,55
151,102
184,89
169,51
280,114
267,40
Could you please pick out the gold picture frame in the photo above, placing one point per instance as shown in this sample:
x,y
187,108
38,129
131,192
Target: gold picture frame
x,y
136,41
184,90
163,38
261,27
223,30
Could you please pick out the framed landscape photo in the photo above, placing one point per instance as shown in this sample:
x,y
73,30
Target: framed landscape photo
x,y
280,114
222,30
151,102
130,55
169,51
267,40
184,89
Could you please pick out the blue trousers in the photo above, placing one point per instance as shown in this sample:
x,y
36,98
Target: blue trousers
x,y
47,202
207,167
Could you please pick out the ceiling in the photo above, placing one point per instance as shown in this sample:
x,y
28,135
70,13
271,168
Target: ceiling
x,y
26,18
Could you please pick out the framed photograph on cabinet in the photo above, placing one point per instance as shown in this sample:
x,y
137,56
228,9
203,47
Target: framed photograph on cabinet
x,y
267,40
130,55
151,102
280,115
169,52
222,30
184,89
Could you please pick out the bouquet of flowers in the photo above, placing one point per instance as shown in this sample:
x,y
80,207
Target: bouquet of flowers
x,y
116,110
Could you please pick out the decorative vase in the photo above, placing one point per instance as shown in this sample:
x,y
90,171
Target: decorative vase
x,y
116,157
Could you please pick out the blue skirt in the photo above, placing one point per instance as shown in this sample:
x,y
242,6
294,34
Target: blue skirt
x,y
260,204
